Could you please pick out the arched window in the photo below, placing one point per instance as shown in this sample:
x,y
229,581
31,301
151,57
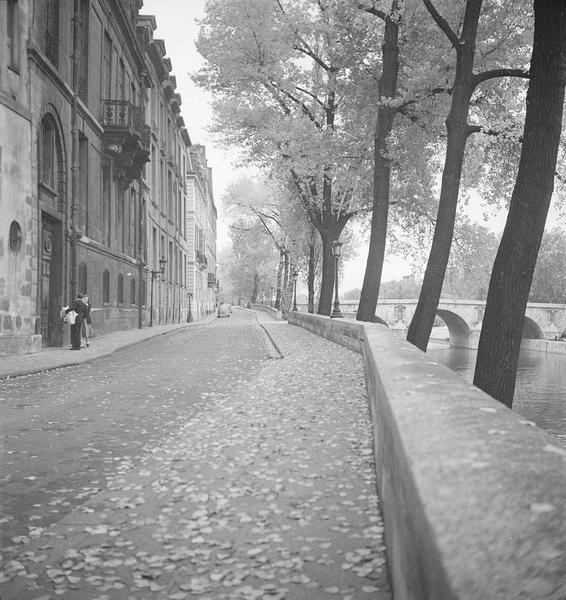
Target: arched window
x,y
106,286
132,291
48,172
15,237
83,287
13,37
120,288
400,312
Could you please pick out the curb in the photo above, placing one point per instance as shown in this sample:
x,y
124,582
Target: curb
x,y
273,342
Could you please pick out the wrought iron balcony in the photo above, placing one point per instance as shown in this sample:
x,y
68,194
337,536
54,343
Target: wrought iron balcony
x,y
122,117
201,260
126,138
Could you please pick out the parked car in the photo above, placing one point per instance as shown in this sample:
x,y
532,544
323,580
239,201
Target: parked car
x,y
224,310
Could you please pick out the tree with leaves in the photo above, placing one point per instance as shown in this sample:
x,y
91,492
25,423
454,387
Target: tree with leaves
x,y
386,112
253,261
285,75
512,274
264,200
501,42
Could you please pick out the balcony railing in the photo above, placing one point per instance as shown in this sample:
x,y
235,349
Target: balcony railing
x,y
121,114
201,260
126,137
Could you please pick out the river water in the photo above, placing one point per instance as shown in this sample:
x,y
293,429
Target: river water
x,y
540,390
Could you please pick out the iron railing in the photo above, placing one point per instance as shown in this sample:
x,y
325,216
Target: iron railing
x,y
121,114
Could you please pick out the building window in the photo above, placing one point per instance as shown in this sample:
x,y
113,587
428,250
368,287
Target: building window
x,y
106,286
82,278
48,150
120,288
133,224
132,291
83,183
106,205
107,65
144,292
82,51
13,35
15,239
52,31
121,80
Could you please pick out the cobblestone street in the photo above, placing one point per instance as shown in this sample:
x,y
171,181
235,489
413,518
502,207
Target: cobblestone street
x,y
266,490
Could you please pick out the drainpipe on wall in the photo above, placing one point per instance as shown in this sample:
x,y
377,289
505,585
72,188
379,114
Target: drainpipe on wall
x,y
141,258
74,233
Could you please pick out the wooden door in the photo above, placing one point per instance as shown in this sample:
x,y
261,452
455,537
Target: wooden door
x,y
50,282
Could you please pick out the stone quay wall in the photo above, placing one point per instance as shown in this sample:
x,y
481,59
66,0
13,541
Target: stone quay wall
x,y
473,495
274,312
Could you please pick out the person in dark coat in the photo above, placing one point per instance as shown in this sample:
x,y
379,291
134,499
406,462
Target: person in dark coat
x,y
86,331
80,308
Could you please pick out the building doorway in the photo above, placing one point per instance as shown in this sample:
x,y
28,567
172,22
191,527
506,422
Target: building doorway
x,y
50,281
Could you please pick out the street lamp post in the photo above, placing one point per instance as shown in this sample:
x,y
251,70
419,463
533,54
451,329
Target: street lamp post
x,y
154,274
336,251
295,276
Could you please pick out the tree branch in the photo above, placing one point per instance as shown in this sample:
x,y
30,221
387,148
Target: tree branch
x,y
494,73
308,93
306,50
304,107
372,10
268,231
495,132
443,24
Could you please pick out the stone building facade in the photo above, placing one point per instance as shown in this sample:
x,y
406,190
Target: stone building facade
x,y
94,164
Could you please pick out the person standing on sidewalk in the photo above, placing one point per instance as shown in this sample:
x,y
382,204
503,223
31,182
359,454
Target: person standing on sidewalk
x,y
86,329
80,308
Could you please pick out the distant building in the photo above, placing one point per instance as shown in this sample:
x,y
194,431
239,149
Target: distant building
x,y
95,165
201,221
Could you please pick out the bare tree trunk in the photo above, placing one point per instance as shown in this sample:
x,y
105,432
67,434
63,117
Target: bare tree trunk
x,y
381,172
285,270
255,290
327,282
311,273
511,278
457,132
280,269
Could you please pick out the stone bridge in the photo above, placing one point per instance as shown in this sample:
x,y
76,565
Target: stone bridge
x,y
464,318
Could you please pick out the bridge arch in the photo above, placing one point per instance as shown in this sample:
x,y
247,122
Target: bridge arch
x,y
531,330
458,328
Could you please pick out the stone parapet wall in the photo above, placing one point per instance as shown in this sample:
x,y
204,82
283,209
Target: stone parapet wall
x,y
549,346
276,314
474,495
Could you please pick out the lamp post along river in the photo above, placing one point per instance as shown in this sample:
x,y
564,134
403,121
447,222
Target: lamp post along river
x,y
336,251
295,276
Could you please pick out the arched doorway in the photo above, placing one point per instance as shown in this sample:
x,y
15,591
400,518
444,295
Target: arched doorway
x,y
51,193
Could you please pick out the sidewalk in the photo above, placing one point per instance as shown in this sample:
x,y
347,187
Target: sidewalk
x,y
268,495
53,358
